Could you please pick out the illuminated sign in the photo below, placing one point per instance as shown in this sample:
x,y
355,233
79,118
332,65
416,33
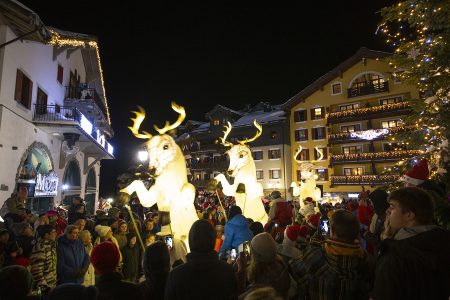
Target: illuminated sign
x,y
87,126
46,185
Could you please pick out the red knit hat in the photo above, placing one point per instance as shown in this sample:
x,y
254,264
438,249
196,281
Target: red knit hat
x,y
292,232
303,231
313,220
418,173
22,261
105,258
308,200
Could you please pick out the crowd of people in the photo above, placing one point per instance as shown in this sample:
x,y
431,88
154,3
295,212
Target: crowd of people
x,y
382,246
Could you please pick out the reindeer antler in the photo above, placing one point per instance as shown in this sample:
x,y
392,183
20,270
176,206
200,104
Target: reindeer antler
x,y
225,134
179,109
299,149
258,133
320,155
140,116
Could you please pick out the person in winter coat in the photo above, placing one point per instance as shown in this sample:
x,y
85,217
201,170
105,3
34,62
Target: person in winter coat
x,y
109,282
76,211
43,258
73,261
131,255
105,234
156,271
24,237
202,266
86,239
280,210
288,249
266,268
415,263
236,230
16,203
121,234
380,205
55,220
337,268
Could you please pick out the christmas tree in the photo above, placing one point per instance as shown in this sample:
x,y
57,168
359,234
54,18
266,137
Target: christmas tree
x,y
419,33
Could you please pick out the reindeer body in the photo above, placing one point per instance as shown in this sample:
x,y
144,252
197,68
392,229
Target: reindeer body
x,y
242,168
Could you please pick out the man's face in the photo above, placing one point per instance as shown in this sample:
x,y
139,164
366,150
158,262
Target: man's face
x,y
73,235
155,219
397,218
52,235
22,194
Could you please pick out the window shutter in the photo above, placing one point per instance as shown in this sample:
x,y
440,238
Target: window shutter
x,y
60,74
325,153
313,117
306,134
30,92
299,175
18,91
296,116
322,115
307,154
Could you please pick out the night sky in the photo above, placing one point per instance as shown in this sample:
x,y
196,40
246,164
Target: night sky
x,y
228,53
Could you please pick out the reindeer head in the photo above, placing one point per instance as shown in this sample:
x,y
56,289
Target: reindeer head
x,y
240,154
161,148
307,168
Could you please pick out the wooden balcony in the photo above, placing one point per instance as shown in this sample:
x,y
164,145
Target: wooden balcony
x,y
368,89
364,180
372,157
366,135
379,111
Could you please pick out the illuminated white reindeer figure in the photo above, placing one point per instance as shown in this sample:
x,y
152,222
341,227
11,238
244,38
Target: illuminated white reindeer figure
x,y
307,187
242,168
171,191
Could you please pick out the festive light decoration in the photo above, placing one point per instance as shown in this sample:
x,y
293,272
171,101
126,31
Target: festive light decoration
x,y
242,168
374,155
364,179
370,134
171,190
367,110
307,186
58,41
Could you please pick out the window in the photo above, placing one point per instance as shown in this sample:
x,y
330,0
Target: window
x,y
357,171
336,88
259,174
322,174
318,133
41,102
24,89
257,155
351,128
59,76
391,123
352,150
348,106
216,122
391,100
303,155
324,152
301,135
275,174
274,154
300,115
317,113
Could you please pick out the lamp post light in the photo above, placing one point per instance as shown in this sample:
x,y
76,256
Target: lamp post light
x,y
143,156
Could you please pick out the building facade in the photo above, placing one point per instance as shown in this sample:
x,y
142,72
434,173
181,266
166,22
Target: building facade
x,y
54,118
348,113
206,157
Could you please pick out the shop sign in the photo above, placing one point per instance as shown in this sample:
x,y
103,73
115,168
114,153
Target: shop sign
x,y
46,185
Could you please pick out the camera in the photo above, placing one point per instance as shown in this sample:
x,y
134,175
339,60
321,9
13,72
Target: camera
x,y
324,227
169,241
233,254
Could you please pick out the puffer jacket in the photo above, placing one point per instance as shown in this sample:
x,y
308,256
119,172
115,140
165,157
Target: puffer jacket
x,y
236,232
73,261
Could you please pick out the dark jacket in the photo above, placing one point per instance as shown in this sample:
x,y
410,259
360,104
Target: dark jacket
x,y
113,287
203,276
417,267
26,243
324,274
236,232
72,261
130,259
73,215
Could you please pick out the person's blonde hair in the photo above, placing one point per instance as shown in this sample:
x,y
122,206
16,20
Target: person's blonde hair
x,y
84,233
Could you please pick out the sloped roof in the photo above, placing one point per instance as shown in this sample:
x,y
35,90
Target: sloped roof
x,y
363,52
261,117
219,107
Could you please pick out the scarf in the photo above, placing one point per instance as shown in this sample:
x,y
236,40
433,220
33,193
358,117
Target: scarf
x,y
334,247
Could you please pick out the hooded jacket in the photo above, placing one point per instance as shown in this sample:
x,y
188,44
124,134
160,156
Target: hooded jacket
x,y
236,232
216,278
73,261
414,265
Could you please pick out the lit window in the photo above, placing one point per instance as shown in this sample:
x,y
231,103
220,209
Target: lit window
x,y
216,122
353,171
318,112
336,88
275,174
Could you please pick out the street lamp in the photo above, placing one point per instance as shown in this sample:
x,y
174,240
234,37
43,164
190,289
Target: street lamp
x,y
142,155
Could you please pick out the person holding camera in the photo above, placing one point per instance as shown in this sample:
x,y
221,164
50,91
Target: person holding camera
x,y
335,264
236,231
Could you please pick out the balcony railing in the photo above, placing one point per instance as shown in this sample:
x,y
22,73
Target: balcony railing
x,y
386,110
85,94
367,135
372,156
364,179
55,113
368,89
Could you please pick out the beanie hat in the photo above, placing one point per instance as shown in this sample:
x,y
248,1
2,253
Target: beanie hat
x,y
418,173
22,261
313,220
263,248
113,211
105,258
303,232
275,195
292,232
202,237
102,230
52,213
234,210
15,282
18,228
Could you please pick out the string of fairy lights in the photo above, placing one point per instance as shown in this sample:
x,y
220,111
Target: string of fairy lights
x,y
364,179
367,110
378,133
374,155
58,41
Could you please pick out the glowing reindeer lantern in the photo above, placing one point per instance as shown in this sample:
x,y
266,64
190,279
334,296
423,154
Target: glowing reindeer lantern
x,y
307,186
171,191
242,168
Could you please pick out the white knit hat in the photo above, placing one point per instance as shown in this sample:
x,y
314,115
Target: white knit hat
x,y
102,230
